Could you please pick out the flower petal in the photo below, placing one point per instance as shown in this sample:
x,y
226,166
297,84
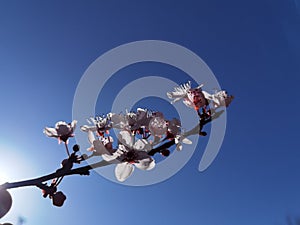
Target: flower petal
x,y
91,137
118,121
142,145
187,141
119,153
60,123
126,138
188,103
73,124
50,132
86,128
123,171
179,147
145,164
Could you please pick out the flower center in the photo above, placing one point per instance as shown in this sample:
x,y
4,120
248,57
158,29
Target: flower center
x,y
130,156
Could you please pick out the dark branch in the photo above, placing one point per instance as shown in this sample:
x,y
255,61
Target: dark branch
x,y
85,170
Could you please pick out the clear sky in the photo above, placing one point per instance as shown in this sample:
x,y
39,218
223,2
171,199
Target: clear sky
x,y
253,49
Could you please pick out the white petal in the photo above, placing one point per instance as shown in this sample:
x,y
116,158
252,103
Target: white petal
x,y
86,128
179,91
73,124
113,156
188,103
200,86
116,118
145,164
93,120
126,138
151,165
148,146
60,123
50,132
89,121
187,141
141,110
179,147
142,145
123,171
91,137
207,95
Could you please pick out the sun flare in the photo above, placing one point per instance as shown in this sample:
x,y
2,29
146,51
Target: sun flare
x,y
3,178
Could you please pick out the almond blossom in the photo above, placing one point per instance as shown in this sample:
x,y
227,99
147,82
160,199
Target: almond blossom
x,y
62,131
132,154
192,97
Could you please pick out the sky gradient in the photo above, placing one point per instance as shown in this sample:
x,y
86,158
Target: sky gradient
x,y
253,49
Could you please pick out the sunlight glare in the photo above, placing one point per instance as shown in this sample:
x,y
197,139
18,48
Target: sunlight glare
x,y
3,177
15,166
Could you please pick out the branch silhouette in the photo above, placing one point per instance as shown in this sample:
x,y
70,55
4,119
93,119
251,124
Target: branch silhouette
x,y
84,170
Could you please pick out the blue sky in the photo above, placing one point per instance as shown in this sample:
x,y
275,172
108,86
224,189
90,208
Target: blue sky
x,y
253,49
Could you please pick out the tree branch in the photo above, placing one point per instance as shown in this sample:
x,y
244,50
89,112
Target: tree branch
x,y
85,170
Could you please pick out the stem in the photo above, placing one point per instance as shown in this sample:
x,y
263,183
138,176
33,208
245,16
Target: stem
x,y
36,181
67,148
59,180
163,146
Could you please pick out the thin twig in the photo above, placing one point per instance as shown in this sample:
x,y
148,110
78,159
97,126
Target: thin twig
x,y
59,180
67,148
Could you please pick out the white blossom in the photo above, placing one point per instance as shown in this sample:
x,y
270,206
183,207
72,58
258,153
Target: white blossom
x,y
62,131
130,154
181,139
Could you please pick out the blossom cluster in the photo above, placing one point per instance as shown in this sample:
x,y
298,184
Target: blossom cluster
x,y
141,133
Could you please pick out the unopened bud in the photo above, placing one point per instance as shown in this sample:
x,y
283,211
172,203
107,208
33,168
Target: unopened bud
x,y
58,199
76,148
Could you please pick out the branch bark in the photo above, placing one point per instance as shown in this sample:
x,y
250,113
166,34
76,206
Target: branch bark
x,y
84,170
